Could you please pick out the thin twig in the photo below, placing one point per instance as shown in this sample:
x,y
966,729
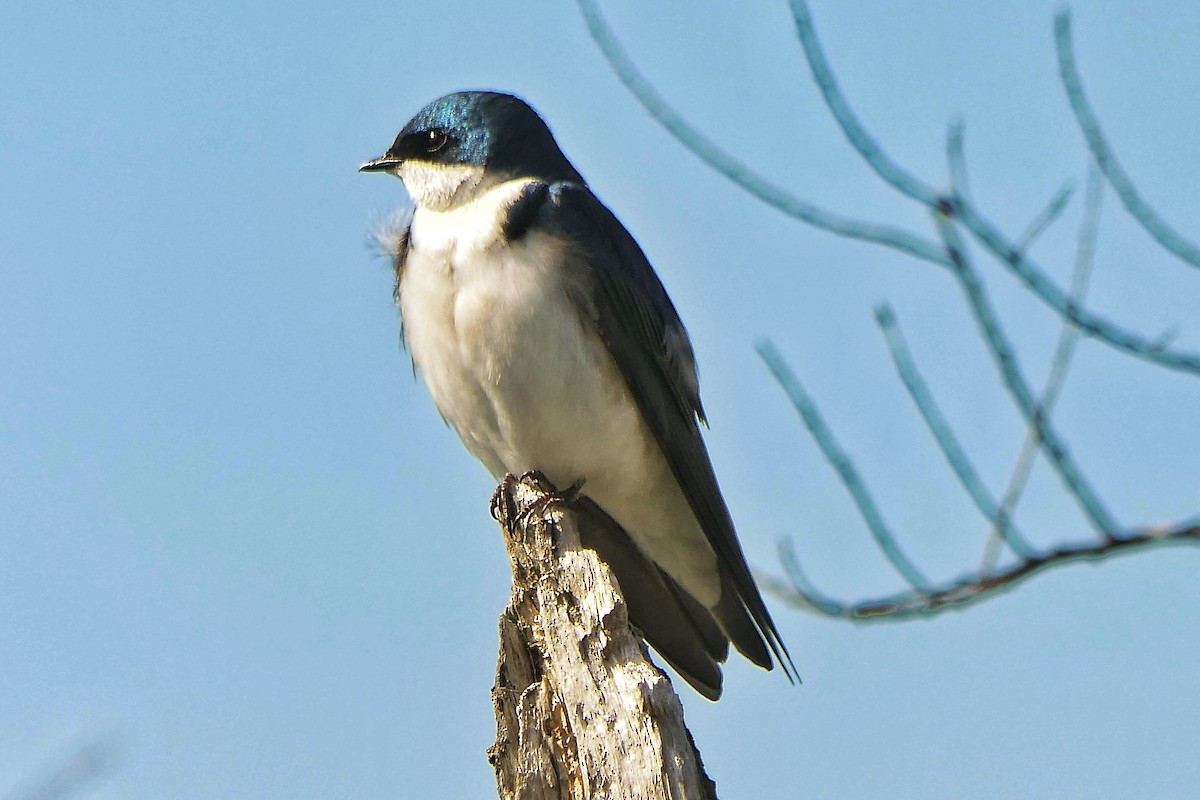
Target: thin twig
x,y
1014,381
1035,278
841,464
957,160
1063,352
947,442
1102,152
1053,210
884,166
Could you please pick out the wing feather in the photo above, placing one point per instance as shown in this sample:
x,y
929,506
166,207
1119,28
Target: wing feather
x,y
649,344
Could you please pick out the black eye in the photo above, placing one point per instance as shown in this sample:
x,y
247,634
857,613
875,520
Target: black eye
x,y
435,140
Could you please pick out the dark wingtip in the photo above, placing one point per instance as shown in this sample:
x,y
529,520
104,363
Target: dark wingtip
x,y
753,635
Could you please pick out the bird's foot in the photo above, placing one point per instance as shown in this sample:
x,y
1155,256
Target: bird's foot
x,y
504,507
553,496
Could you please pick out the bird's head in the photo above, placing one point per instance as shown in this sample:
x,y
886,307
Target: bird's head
x,y
467,142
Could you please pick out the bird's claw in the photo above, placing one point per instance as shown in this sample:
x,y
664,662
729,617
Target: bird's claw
x,y
503,506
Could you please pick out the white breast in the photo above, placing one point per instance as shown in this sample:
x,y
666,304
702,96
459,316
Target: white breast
x,y
528,384
490,327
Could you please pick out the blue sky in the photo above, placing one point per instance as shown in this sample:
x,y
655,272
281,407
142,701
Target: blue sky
x,y
236,539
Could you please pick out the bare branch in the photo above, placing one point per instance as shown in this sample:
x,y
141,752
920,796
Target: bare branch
x,y
1014,381
957,160
943,435
950,211
1034,277
841,463
1149,219
884,166
975,587
721,161
1063,352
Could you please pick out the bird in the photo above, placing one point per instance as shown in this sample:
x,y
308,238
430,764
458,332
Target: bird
x,y
548,343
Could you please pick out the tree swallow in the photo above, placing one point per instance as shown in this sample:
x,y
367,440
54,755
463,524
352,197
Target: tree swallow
x,y
548,343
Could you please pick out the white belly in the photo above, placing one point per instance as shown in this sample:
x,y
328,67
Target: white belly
x,y
512,367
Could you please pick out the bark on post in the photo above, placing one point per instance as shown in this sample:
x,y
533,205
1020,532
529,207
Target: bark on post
x,y
581,712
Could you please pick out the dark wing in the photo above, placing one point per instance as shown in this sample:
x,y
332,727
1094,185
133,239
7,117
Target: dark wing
x,y
643,333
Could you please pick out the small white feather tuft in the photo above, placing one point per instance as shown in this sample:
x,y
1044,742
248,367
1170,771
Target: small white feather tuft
x,y
389,236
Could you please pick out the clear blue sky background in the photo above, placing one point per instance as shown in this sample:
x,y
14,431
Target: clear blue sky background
x,y
236,538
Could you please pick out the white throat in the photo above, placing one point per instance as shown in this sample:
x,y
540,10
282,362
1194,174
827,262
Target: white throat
x,y
439,187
